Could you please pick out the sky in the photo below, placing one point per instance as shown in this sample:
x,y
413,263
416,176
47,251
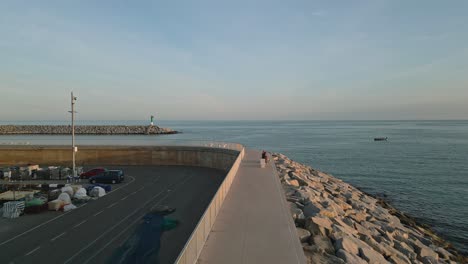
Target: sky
x,y
234,60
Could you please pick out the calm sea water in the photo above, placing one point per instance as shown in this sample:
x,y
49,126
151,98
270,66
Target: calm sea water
x,y
422,168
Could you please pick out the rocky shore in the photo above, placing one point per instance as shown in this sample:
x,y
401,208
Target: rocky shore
x,y
83,130
338,223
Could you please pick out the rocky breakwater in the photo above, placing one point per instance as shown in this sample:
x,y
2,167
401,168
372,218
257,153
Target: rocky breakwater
x,y
83,130
337,223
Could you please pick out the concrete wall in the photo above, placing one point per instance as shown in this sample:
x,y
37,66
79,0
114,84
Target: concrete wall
x,y
194,246
119,155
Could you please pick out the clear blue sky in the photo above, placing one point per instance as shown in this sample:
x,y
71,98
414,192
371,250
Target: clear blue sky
x,y
243,59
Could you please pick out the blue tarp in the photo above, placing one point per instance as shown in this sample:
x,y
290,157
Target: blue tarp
x,y
106,187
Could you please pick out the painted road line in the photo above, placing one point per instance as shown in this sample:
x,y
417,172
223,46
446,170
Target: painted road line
x,y
53,239
36,227
120,187
32,251
121,232
53,219
131,224
124,198
111,205
111,228
80,223
96,214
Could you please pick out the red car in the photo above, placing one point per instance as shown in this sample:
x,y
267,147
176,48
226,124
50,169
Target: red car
x,y
92,172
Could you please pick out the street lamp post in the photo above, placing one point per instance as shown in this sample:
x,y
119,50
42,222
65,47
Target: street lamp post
x,y
73,99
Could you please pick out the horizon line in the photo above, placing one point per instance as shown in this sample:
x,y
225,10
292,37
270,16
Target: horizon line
x,y
235,120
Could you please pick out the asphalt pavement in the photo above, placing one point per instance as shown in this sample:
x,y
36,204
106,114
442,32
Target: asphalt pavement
x,y
94,232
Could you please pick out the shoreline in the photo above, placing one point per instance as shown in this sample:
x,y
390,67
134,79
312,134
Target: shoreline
x,y
6,130
413,221
338,223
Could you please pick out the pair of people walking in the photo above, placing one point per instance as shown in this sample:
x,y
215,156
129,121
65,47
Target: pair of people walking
x,y
265,156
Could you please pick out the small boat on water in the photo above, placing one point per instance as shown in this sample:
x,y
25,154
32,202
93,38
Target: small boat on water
x,y
380,139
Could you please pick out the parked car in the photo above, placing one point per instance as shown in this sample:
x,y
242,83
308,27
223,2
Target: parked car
x,y
109,176
92,172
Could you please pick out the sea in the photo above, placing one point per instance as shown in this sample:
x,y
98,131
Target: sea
x,y
422,169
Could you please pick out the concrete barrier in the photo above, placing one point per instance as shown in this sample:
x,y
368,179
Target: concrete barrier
x,y
194,246
203,156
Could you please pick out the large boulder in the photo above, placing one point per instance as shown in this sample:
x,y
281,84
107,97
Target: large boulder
x,y
316,186
443,253
358,205
351,195
372,256
399,258
311,210
361,230
303,194
401,236
349,258
322,258
348,244
423,250
293,182
301,179
298,214
323,243
348,226
295,211
382,248
359,216
303,234
429,260
319,225
368,200
427,252
405,249
330,205
330,213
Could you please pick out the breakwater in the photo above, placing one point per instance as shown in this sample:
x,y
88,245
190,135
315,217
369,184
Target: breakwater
x,y
338,223
83,130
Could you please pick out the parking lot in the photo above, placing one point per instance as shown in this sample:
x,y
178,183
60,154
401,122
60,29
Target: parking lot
x,y
93,232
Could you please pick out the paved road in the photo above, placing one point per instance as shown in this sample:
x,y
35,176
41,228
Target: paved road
x,y
92,233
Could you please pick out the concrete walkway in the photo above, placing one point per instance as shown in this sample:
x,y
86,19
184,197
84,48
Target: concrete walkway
x,y
254,224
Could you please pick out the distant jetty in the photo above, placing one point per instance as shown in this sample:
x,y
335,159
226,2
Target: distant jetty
x,y
84,130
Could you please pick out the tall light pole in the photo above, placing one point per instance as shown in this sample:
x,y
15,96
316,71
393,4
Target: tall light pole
x,y
73,99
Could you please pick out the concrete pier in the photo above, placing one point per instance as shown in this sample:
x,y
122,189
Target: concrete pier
x,y
254,224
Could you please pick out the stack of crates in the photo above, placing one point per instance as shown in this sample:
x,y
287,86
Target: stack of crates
x,y
14,173
54,173
43,174
66,172
13,209
6,174
24,173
